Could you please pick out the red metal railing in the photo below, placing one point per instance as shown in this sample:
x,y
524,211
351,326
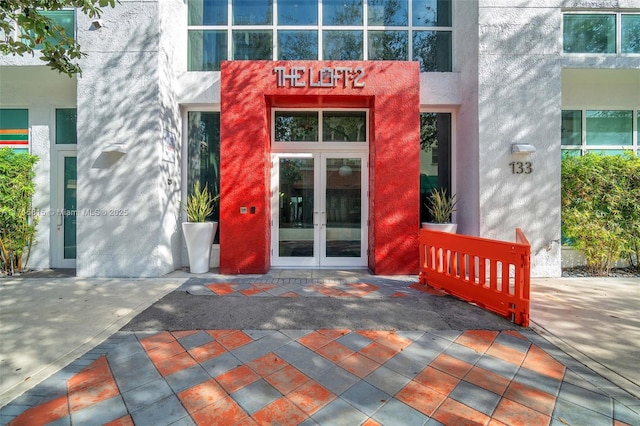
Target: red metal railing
x,y
492,274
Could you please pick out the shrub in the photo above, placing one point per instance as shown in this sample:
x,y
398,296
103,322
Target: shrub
x,y
600,207
17,227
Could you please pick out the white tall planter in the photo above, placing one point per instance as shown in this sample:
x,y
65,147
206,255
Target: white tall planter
x,y
441,227
199,238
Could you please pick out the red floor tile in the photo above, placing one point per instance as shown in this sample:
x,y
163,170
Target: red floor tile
x,y
314,340
91,395
216,334
289,294
422,398
359,365
207,351
151,342
234,340
311,397
264,286
393,341
437,380
506,353
451,365
530,397
122,421
280,412
515,333
222,289
267,364
372,334
451,412
97,372
184,333
399,294
543,363
287,379
251,291
174,364
478,340
44,413
335,351
164,351
487,380
515,414
378,352
334,333
224,411
199,396
237,378
371,422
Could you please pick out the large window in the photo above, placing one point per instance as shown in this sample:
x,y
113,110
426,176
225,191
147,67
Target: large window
x,y
607,132
203,154
14,129
320,126
435,157
608,33
399,30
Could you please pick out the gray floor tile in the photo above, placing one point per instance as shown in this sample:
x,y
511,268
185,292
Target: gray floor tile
x,y
100,413
313,366
407,363
354,341
165,411
293,351
625,414
220,364
567,412
463,353
513,342
194,340
586,398
395,412
260,347
295,334
133,371
63,421
339,413
149,393
387,380
365,397
187,378
475,397
185,421
498,366
538,381
256,396
337,379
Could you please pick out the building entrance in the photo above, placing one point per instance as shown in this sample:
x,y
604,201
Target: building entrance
x,y
319,209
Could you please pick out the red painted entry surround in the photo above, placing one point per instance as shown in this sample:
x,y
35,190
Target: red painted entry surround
x,y
391,91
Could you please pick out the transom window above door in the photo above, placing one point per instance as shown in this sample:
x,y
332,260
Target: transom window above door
x,y
291,126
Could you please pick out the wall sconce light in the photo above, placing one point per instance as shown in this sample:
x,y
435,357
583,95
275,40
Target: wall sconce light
x,y
97,24
521,148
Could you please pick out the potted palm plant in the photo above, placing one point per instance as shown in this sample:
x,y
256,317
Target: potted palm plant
x,y
441,208
198,233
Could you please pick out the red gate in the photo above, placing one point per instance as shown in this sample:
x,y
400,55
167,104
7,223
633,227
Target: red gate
x,y
492,274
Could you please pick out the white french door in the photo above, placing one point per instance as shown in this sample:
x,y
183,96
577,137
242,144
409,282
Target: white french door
x,y
64,210
319,209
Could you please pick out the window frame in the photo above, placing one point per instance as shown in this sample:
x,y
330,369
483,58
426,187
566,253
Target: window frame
x,y
618,31
583,148
319,28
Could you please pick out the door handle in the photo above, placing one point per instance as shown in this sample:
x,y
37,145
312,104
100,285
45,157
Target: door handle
x,y
323,220
315,218
60,217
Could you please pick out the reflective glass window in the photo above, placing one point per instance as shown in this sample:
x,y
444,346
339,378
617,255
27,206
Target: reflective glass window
x,y
586,33
66,19
344,126
435,157
342,12
252,12
431,13
571,128
609,127
66,119
630,34
297,45
433,50
297,12
296,126
206,49
388,45
252,45
388,12
14,127
342,45
207,12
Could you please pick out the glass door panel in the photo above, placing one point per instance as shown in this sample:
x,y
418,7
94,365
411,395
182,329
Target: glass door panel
x,y
70,211
343,199
65,207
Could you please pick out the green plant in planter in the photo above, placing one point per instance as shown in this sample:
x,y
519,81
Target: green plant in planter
x,y
200,204
442,205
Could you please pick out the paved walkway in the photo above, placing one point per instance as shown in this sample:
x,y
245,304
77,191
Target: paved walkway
x,y
157,370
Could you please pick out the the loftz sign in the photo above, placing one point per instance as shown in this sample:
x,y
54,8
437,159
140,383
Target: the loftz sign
x,y
346,77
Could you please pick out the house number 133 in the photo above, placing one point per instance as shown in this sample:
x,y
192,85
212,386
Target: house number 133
x,y
520,167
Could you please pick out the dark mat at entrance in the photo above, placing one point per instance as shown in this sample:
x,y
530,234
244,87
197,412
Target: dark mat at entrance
x,y
182,311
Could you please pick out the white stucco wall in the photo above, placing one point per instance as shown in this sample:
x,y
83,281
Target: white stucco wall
x,y
120,101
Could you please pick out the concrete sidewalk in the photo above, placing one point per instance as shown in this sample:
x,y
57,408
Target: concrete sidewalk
x,y
46,324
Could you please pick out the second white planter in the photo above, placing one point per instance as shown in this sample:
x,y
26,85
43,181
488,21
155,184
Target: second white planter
x,y
199,238
442,227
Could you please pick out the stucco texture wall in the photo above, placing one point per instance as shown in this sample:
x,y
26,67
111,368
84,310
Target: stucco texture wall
x,y
391,92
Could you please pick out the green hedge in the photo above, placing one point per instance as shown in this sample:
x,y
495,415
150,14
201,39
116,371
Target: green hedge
x,y
601,208
17,226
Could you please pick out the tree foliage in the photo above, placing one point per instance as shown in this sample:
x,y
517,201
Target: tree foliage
x,y
601,208
37,32
17,225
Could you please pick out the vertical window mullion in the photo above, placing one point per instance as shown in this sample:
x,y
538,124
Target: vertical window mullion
x,y
584,131
320,31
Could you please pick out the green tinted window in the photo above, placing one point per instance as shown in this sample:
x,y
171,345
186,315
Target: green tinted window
x,y
585,33
66,126
14,127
